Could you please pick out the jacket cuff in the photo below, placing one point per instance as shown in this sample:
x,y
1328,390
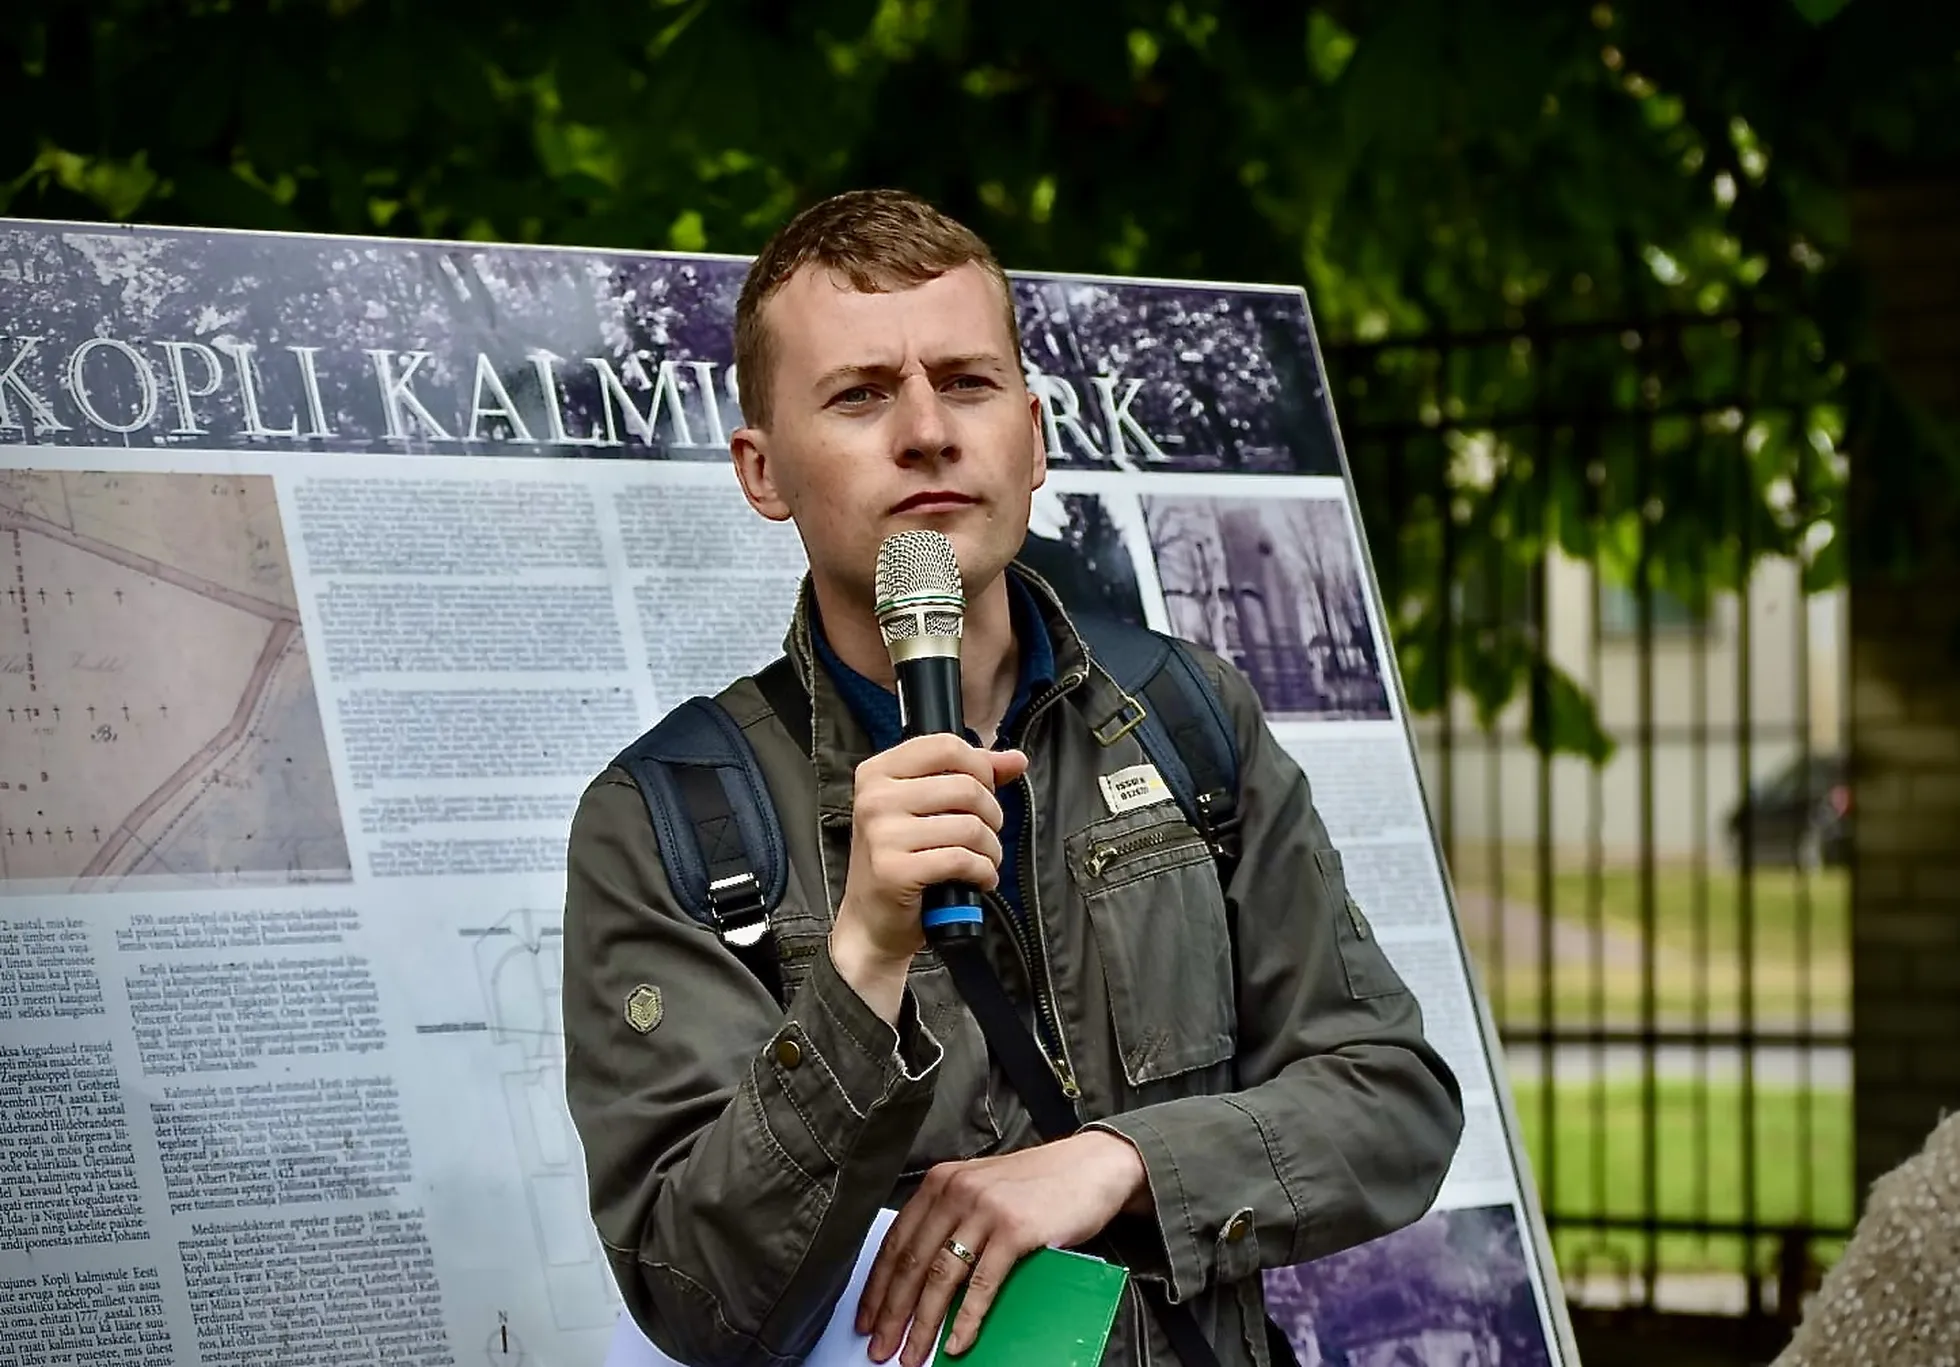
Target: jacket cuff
x,y
839,1061
1175,1258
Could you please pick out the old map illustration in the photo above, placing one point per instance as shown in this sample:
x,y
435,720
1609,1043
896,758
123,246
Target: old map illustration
x,y
157,715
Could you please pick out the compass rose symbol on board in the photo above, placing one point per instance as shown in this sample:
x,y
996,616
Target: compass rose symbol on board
x,y
504,1348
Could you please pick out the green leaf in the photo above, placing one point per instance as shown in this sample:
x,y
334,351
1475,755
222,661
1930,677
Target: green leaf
x,y
1329,46
1568,722
686,233
1819,11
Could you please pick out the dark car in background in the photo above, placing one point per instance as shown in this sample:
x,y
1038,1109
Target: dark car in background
x,y
1800,816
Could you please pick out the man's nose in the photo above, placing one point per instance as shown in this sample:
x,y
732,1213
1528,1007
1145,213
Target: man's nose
x,y
924,433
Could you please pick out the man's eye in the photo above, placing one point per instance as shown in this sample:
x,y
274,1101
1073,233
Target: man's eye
x,y
856,394
971,382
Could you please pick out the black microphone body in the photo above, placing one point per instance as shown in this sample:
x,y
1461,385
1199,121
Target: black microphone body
x,y
921,607
929,701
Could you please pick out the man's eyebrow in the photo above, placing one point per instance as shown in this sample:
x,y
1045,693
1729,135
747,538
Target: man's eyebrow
x,y
856,370
973,360
863,370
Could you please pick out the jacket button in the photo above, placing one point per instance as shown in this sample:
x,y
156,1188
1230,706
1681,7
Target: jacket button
x,y
1238,1228
788,1052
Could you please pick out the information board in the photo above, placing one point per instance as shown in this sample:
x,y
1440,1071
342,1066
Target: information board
x,y
332,569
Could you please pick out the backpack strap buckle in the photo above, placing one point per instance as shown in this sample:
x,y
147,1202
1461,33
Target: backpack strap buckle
x,y
721,842
1127,718
1183,728
1219,823
740,912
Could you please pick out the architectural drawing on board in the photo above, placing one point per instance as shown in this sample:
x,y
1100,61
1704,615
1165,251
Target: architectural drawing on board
x,y
520,965
128,755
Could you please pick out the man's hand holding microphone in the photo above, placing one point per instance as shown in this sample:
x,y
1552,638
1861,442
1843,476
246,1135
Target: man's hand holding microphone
x,y
924,814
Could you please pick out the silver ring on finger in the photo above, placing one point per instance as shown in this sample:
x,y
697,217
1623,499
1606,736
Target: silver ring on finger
x,y
961,1251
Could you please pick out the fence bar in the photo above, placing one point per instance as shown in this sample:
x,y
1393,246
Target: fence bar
x,y
1595,470
1543,470
1746,884
1738,1040
1699,910
1650,1104
1806,1022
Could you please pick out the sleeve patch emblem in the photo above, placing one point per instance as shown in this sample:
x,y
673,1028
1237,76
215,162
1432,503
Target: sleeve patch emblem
x,y
643,1008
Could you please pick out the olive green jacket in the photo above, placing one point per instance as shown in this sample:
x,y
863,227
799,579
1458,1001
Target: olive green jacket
x,y
737,1149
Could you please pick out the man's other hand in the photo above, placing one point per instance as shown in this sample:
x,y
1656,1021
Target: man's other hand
x,y
998,1209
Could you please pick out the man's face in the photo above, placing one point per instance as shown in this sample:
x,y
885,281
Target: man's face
x,y
890,412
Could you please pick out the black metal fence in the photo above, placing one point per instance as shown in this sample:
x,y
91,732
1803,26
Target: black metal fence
x,y
1599,546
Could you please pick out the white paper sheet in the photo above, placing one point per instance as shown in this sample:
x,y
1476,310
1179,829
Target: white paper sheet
x,y
840,1346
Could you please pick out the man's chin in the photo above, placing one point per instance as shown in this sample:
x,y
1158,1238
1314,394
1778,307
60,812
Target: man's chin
x,y
983,560
979,545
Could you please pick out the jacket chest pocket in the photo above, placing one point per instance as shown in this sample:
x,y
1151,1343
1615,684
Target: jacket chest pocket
x,y
1157,912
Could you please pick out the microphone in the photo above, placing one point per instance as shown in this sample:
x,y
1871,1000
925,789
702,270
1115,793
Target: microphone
x,y
921,607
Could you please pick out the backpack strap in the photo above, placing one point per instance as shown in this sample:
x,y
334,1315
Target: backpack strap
x,y
720,839
787,698
1181,723
1183,727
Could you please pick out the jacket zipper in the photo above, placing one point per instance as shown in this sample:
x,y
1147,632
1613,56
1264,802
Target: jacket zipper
x,y
1118,852
1047,1026
1029,936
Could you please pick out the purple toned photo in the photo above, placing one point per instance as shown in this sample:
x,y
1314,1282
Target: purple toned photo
x,y
1273,585
1451,1290
1164,376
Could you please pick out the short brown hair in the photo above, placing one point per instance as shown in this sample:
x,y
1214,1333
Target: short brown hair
x,y
878,240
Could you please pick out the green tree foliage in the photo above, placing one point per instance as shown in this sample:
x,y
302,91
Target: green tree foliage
x,y
1622,229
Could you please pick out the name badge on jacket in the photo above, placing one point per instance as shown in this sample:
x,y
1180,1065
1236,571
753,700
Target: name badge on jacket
x,y
1140,785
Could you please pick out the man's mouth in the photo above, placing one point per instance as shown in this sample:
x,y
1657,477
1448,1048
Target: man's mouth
x,y
935,501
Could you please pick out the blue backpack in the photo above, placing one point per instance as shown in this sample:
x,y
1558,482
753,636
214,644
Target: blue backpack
x,y
722,843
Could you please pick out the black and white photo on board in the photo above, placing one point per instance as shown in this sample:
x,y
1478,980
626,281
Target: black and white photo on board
x,y
1275,586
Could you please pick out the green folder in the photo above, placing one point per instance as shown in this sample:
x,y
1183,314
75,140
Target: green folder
x,y
1054,1310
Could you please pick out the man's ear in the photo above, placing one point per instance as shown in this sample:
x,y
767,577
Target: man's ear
x,y
1037,441
749,448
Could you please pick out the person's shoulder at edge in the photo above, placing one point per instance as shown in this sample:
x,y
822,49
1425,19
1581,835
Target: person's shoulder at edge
x,y
1891,1291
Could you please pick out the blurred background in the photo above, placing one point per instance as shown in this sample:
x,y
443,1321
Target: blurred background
x,y
1643,328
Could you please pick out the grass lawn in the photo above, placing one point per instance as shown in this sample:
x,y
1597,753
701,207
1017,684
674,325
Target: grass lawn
x,y
1598,1167
1795,925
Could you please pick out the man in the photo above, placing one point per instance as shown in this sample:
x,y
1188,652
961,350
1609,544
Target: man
x,y
1253,1114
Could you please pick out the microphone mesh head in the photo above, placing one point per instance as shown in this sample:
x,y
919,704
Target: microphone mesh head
x,y
918,587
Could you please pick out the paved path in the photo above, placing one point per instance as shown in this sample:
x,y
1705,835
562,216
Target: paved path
x,y
1484,919
1824,1067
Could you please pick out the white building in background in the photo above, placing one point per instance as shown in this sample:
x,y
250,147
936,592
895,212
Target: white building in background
x,y
1796,686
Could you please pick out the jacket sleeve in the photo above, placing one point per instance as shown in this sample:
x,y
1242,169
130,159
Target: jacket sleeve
x,y
1347,1119
736,1151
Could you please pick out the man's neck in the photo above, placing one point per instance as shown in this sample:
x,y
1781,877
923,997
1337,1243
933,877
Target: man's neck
x,y
990,659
